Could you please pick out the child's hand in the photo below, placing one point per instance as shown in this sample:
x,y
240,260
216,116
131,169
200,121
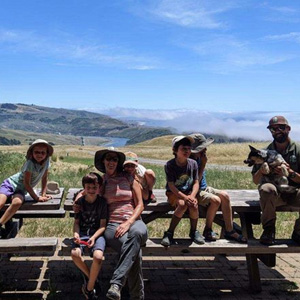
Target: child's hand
x,y
191,201
44,198
76,238
91,242
76,208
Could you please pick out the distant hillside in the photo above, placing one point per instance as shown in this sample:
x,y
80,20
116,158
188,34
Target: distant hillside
x,y
41,119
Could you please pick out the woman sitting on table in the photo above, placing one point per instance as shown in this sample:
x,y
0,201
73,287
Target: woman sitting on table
x,y
125,231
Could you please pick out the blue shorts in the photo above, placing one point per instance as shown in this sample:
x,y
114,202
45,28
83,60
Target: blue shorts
x,y
100,244
8,190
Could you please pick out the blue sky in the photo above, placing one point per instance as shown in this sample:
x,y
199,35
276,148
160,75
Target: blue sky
x,y
215,56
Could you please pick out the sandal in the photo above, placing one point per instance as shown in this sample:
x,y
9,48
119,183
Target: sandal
x,y
229,235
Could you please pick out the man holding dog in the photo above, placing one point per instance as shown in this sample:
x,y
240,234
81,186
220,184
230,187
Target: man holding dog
x,y
270,198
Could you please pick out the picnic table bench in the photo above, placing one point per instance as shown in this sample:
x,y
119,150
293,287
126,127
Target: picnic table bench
x,y
245,205
32,209
46,245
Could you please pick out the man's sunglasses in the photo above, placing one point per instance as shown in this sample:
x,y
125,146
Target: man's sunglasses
x,y
113,158
279,127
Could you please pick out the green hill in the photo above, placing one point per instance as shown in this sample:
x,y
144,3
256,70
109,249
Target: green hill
x,y
58,121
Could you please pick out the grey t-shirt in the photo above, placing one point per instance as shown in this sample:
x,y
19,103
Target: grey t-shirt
x,y
90,215
183,177
37,171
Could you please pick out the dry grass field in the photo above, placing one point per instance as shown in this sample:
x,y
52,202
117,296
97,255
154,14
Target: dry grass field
x,y
157,148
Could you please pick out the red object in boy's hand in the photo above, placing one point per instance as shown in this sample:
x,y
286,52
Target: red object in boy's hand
x,y
84,243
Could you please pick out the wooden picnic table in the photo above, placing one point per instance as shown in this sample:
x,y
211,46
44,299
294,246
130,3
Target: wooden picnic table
x,y
245,204
33,209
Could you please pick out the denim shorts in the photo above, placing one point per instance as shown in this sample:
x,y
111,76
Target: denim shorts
x,y
8,190
100,244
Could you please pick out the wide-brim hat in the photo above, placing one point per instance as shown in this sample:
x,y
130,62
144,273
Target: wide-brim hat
x,y
200,142
178,138
131,158
40,142
99,158
52,187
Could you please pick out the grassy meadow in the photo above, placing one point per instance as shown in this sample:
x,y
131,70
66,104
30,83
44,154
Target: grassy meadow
x,y
71,162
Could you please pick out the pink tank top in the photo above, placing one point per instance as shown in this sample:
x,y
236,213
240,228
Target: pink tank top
x,y
118,194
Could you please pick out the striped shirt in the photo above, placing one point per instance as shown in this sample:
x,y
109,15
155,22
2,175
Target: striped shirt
x,y
119,197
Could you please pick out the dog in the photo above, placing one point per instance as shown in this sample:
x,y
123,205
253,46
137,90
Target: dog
x,y
269,159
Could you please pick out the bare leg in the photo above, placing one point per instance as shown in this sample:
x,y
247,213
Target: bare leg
x,y
16,203
3,199
95,269
150,179
226,210
79,261
212,209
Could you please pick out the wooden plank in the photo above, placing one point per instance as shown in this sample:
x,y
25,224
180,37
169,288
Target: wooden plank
x,y
241,201
52,204
28,198
55,213
221,246
25,245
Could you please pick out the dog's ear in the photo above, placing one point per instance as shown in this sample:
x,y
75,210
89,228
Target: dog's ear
x,y
252,148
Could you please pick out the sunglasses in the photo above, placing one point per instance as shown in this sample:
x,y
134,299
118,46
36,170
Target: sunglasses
x,y
112,158
39,152
279,127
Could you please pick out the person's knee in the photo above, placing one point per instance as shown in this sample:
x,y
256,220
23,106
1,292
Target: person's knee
x,y
215,201
268,191
138,231
75,253
97,256
17,202
180,209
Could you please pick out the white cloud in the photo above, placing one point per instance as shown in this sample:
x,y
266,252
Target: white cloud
x,y
291,37
225,54
189,13
250,125
283,14
72,49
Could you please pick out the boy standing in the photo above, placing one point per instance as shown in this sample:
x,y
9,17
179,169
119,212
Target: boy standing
x,y
182,188
89,226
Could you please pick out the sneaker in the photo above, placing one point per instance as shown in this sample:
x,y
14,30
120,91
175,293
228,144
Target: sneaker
x,y
296,237
89,295
167,239
197,237
209,235
268,236
114,292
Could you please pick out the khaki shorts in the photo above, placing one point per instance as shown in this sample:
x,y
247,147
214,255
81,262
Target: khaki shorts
x,y
204,196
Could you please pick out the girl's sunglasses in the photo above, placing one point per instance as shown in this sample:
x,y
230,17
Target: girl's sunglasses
x,y
39,152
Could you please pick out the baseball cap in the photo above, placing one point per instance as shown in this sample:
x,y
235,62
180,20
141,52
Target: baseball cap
x,y
178,138
131,158
278,120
